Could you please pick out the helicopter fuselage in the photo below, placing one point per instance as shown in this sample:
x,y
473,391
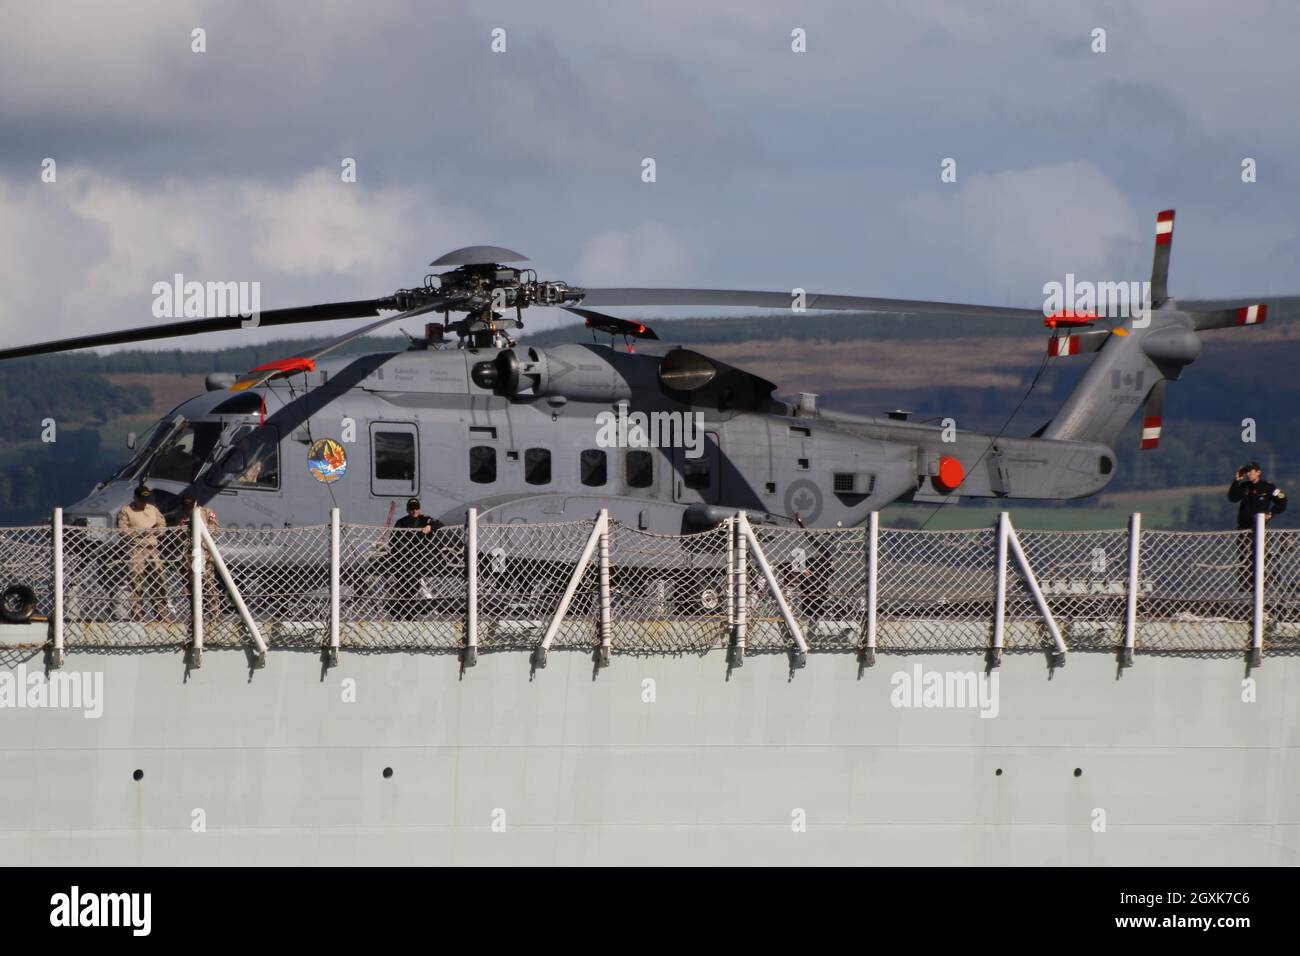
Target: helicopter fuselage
x,y
539,435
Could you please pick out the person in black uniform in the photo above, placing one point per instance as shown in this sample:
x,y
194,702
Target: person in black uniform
x,y
1256,496
412,554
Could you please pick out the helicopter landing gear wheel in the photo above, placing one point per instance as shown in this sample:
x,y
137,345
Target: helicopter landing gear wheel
x,y
17,604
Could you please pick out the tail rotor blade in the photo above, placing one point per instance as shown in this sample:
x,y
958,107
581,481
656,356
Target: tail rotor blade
x,y
1152,415
1226,318
1160,263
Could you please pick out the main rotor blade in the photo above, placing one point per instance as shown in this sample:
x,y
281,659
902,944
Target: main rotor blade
x,y
785,300
307,363
309,313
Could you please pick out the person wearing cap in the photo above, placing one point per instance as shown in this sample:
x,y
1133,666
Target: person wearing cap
x,y
211,594
1254,496
414,518
412,554
139,522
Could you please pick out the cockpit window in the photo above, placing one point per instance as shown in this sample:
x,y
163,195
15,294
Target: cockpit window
x,y
253,462
180,457
171,450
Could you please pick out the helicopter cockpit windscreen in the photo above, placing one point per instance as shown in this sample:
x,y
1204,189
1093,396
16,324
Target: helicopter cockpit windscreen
x,y
252,462
172,450
180,456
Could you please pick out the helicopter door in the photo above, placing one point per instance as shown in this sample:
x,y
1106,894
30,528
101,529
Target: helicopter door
x,y
696,479
394,459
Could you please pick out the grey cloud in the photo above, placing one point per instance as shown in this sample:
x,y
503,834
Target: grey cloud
x,y
775,169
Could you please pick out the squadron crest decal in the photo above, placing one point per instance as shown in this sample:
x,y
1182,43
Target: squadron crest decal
x,y
327,461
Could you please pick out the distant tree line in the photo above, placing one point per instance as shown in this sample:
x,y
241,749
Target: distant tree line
x,y
30,393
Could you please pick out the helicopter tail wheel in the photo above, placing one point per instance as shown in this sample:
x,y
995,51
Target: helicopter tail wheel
x,y
17,604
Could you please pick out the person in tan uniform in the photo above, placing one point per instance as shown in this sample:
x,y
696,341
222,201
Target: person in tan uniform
x,y
139,522
211,593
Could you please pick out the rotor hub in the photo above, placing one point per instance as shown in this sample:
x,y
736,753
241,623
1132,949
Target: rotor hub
x,y
484,290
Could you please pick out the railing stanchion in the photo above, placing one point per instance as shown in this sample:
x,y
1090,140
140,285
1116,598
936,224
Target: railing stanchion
x,y
228,580
873,560
801,654
606,628
196,587
742,592
1000,600
335,595
471,588
56,658
1130,614
1257,622
730,524
1013,540
557,619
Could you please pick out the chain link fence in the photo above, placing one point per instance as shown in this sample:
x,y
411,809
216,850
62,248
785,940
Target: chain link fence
x,y
1203,579
822,574
404,588
1084,578
936,590
523,571
27,558
1282,591
399,587
668,593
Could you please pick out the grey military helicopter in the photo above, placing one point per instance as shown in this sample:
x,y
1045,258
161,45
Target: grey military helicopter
x,y
667,439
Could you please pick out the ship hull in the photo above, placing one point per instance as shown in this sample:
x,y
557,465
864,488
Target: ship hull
x,y
653,760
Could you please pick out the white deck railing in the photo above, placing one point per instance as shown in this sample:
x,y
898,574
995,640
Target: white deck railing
x,y
600,586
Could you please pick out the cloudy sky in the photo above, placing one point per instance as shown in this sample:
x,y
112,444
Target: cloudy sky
x,y
775,169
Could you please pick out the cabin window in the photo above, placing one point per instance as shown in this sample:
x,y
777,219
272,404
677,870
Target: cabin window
x,y
640,469
537,466
483,464
394,456
592,467
254,461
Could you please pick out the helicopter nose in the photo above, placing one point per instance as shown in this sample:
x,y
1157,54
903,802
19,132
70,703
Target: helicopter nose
x,y
99,509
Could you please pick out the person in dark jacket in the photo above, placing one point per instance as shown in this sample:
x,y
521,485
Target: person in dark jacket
x,y
1255,496
413,558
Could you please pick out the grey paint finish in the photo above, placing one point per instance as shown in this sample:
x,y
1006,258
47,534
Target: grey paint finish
x,y
771,459
711,771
